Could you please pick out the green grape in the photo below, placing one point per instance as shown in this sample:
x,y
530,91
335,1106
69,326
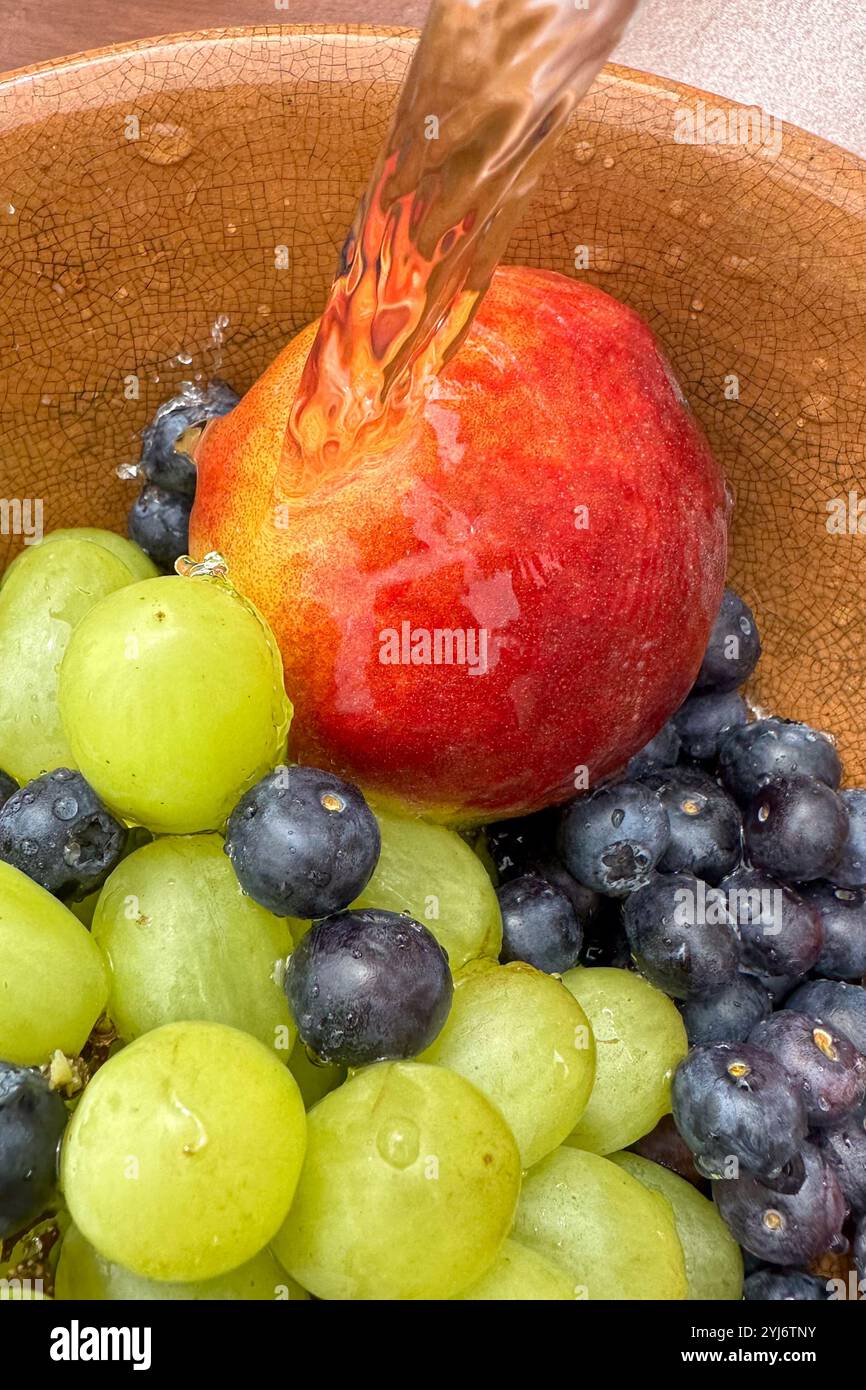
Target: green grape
x,y
714,1261
525,1042
613,1237
53,980
520,1275
183,941
140,566
172,698
431,873
408,1191
183,1155
640,1041
46,592
315,1079
82,1273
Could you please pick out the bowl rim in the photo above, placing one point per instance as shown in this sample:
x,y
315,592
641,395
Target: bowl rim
x,y
22,78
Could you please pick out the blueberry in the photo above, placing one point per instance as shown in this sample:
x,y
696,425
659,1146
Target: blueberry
x,y
681,936
706,830
842,1007
303,843
785,1228
612,840
661,751
539,925
57,831
794,828
784,1285
733,649
750,756
368,986
194,405
850,871
734,1104
780,933
32,1119
821,1061
587,904
844,1147
8,785
159,524
727,1014
842,914
705,719
859,1247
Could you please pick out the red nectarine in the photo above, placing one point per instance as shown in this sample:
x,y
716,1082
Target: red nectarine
x,y
517,587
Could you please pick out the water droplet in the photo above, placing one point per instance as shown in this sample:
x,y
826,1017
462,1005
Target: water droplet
x,y
705,219
164,143
65,808
184,359
313,1058
697,304
213,566
11,210
399,1142
608,161
127,471
231,228
582,152
217,333
617,818
763,812
800,422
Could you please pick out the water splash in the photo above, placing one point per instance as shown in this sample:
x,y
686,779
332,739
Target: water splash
x,y
488,92
217,334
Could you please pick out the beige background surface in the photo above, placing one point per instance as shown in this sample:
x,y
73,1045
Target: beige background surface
x,y
804,60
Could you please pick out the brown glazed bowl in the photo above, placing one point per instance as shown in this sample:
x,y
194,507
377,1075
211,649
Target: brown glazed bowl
x,y
118,255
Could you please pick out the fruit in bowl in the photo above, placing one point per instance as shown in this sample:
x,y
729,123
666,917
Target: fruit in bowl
x,y
297,1041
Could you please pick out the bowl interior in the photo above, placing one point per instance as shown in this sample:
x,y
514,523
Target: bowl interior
x,y
175,207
